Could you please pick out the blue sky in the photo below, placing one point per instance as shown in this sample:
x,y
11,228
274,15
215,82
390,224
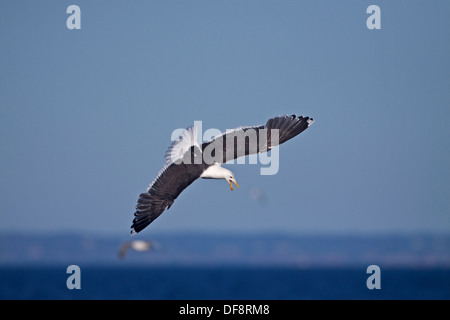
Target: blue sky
x,y
86,115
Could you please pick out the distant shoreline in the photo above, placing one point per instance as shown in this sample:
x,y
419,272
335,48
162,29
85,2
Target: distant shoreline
x,y
264,250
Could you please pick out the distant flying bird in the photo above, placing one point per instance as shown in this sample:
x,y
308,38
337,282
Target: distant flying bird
x,y
185,162
138,245
258,195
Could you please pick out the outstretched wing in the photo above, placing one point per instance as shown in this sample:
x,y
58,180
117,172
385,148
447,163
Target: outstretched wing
x,y
163,191
245,141
123,249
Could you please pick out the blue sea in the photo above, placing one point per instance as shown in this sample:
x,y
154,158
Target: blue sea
x,y
222,283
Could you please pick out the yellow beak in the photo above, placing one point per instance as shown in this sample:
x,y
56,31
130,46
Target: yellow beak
x,y
231,186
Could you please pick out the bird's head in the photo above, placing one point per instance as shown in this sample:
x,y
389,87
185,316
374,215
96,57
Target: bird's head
x,y
229,176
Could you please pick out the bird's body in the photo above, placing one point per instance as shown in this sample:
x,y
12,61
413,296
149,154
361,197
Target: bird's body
x,y
186,161
138,245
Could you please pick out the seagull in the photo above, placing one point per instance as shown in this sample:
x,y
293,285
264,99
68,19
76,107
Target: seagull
x,y
186,160
138,245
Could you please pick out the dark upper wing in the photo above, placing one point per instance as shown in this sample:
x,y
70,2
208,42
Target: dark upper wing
x,y
288,127
169,183
245,141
